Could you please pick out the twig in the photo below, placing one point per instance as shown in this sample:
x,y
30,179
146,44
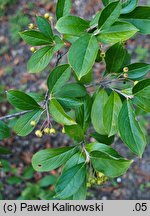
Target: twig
x,y
125,95
14,115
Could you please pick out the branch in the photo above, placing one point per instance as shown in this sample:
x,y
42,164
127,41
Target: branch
x,y
13,115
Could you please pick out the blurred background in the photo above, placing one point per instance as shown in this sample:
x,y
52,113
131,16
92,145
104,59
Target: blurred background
x,y
17,178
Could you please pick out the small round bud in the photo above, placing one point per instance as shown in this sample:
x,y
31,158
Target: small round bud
x,y
47,130
100,174
125,69
38,133
93,181
31,26
88,185
50,18
33,123
102,54
99,182
32,49
46,15
125,75
63,130
136,82
52,131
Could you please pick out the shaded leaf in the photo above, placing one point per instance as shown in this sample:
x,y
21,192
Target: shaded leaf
x,y
130,130
111,112
58,113
140,18
109,15
58,77
49,159
98,110
70,181
35,38
63,8
23,125
21,100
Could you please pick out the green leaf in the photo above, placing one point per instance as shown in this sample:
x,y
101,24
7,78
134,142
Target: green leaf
x,y
58,113
110,167
72,25
50,159
63,8
86,79
103,138
83,113
40,59
21,100
70,181
82,54
141,85
38,97
111,112
141,93
116,58
130,130
69,103
75,159
4,131
58,77
106,2
140,18
28,173
118,32
75,132
109,15
72,90
95,19
45,27
128,6
47,181
107,160
97,112
23,125
35,38
13,180
2,149
138,70
81,193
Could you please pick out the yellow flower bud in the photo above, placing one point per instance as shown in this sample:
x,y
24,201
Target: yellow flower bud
x,y
38,133
47,130
52,131
50,18
99,182
33,123
46,15
88,184
31,26
63,130
125,69
100,174
33,49
125,75
93,181
102,54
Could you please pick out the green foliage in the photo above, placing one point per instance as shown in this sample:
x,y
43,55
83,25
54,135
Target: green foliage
x,y
111,108
17,22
